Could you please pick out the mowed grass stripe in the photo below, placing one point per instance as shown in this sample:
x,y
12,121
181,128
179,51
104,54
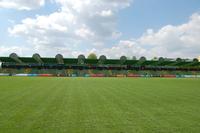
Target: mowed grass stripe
x,y
115,105
27,107
158,103
131,115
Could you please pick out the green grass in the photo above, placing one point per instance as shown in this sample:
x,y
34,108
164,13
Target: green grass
x,y
99,105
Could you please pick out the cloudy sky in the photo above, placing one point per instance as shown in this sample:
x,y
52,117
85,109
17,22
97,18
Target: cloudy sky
x,y
151,28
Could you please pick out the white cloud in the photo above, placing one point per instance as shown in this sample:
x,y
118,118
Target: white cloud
x,y
128,48
94,5
46,31
84,32
169,41
81,21
92,23
7,50
21,4
106,13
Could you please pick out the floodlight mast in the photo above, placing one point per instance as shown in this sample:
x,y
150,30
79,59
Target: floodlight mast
x,y
81,59
102,59
123,59
37,58
0,64
15,57
59,59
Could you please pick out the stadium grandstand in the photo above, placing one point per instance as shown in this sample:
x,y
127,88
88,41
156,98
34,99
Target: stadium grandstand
x,y
101,67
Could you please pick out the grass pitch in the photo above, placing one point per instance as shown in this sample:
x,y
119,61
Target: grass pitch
x,y
99,105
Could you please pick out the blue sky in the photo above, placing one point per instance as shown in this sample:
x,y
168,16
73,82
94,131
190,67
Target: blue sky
x,y
145,14
150,28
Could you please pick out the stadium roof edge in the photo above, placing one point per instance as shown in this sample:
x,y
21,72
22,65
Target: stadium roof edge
x,y
51,60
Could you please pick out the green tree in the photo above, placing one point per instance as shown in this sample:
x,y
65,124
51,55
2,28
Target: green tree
x,y
92,56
